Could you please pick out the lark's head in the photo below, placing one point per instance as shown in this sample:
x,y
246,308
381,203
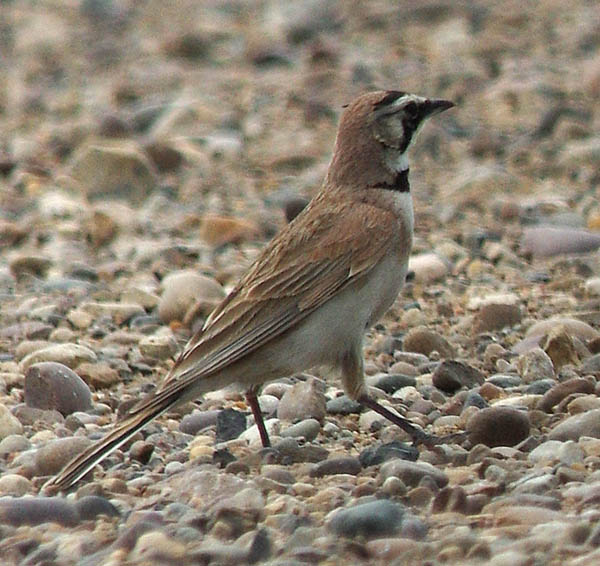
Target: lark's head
x,y
375,133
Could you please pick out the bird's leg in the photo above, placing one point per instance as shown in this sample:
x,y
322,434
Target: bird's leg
x,y
417,434
258,418
353,378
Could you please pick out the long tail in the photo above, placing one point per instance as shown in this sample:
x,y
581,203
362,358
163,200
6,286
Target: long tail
x,y
84,462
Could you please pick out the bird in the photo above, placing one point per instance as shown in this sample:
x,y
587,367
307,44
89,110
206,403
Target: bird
x,y
315,289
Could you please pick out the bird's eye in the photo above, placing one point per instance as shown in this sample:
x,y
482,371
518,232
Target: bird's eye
x,y
411,109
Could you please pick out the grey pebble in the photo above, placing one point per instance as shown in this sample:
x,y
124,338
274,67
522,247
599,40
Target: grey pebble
x,y
198,420
505,381
591,364
412,473
369,520
54,454
91,506
474,399
37,510
535,365
374,455
344,465
118,171
390,383
31,415
547,241
290,451
13,443
343,405
307,428
184,289
572,428
540,386
51,385
230,424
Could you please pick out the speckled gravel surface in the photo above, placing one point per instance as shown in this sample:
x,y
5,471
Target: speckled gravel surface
x,y
148,152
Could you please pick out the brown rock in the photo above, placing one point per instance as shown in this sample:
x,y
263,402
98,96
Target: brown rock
x,y
114,170
24,265
184,290
164,156
495,317
562,390
451,375
424,341
99,375
52,456
220,230
100,229
498,426
560,347
302,401
11,234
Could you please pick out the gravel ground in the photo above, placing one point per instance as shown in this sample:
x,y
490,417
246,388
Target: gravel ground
x,y
150,149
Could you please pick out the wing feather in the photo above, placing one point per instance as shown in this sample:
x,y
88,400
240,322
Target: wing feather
x,y
286,285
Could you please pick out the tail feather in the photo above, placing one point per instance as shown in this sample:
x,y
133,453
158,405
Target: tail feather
x,y
89,458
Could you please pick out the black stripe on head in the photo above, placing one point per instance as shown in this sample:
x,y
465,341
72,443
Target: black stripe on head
x,y
390,96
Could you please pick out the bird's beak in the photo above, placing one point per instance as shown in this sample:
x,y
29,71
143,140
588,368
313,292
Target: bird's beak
x,y
435,106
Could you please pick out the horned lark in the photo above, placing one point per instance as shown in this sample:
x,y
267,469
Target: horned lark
x,y
316,288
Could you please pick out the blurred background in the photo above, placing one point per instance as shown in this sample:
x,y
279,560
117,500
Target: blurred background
x,y
130,125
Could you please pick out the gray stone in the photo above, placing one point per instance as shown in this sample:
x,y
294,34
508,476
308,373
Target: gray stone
x,y
390,383
343,405
535,365
38,510
547,241
91,506
369,520
344,465
230,424
374,455
114,170
51,385
70,355
411,473
307,429
198,420
572,428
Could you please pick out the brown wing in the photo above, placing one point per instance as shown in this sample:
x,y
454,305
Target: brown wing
x,y
311,261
